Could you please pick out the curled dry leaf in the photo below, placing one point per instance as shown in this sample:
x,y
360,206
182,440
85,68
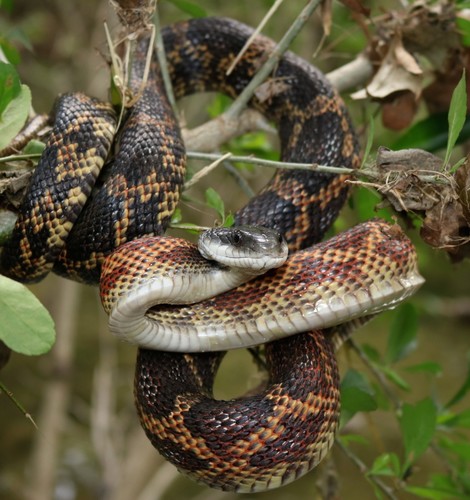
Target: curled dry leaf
x,y
398,72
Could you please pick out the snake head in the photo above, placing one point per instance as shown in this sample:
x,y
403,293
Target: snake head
x,y
254,249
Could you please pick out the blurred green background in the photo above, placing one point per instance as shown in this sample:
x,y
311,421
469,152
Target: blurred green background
x,y
89,440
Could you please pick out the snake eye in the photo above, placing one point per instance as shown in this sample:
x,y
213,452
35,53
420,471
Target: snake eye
x,y
236,238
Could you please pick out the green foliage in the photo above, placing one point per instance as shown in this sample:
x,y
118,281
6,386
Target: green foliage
x,y
356,395
15,103
387,464
27,327
462,391
215,201
457,114
193,9
402,338
430,134
10,85
417,424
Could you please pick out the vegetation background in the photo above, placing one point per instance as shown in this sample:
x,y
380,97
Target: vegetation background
x,y
89,443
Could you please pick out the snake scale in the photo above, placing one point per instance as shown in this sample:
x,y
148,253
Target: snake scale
x,y
131,188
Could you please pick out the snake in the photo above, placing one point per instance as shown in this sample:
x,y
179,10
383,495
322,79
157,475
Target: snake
x,y
109,229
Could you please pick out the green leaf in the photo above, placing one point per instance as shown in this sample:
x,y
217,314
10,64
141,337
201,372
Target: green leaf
x,y
370,140
214,201
10,85
387,464
417,424
453,420
462,391
229,220
7,5
356,395
34,147
346,439
371,352
218,105
191,8
434,494
463,28
177,216
14,116
12,55
457,115
7,223
461,450
426,367
27,327
393,376
402,337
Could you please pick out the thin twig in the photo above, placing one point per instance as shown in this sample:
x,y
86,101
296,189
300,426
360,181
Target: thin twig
x,y
364,469
206,170
273,164
161,56
242,100
377,373
255,33
20,407
239,179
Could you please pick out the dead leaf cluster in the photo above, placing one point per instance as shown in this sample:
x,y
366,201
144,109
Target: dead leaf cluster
x,y
408,47
134,15
413,180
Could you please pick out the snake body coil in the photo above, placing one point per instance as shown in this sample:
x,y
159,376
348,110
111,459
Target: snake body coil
x,y
253,443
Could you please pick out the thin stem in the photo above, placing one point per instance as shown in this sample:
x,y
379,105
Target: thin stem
x,y
20,407
377,373
271,163
242,100
255,33
160,49
364,470
15,157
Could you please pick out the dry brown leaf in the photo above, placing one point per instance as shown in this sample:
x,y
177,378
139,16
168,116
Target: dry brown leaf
x,y
394,74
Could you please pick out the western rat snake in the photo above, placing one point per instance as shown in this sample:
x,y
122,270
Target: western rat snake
x,y
258,442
